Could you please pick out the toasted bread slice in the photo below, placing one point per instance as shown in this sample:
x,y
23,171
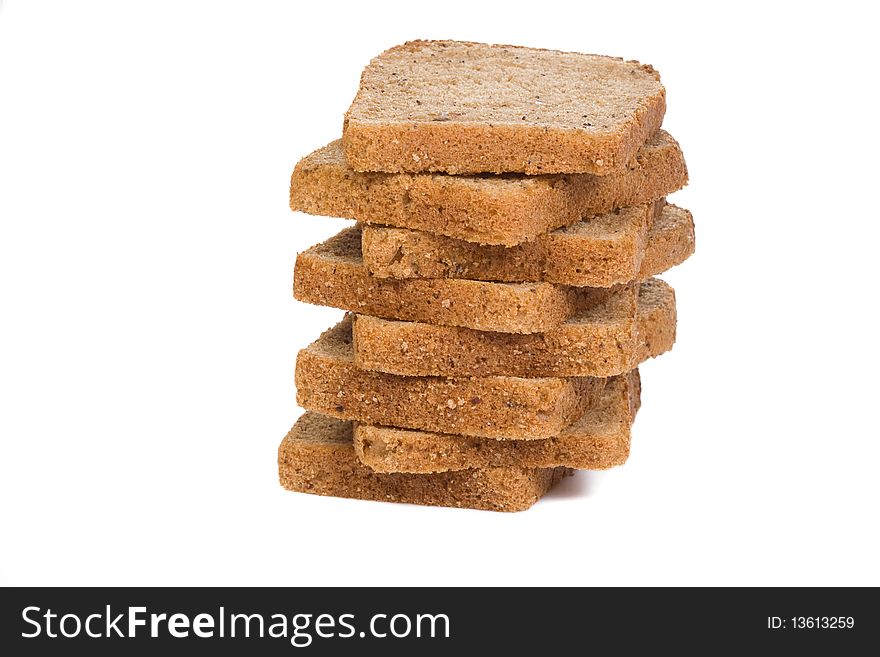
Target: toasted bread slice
x,y
505,210
598,440
503,407
317,457
608,339
462,107
600,251
333,274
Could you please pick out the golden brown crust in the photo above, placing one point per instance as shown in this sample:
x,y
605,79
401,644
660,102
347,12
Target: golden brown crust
x,y
608,339
333,274
670,242
505,210
317,457
462,107
502,407
598,440
600,251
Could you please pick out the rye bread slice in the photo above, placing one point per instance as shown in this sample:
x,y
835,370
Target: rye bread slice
x,y
333,274
504,210
317,457
610,338
598,440
601,251
504,407
462,107
671,241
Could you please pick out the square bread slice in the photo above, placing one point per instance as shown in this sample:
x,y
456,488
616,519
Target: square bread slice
x,y
600,251
333,274
598,440
462,107
504,210
504,407
609,338
317,457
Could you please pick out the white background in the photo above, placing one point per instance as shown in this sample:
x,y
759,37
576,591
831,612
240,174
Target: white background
x,y
149,333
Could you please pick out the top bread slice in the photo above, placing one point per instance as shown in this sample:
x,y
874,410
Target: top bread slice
x,y
505,210
463,107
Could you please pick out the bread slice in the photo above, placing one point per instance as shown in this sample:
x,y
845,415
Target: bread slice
x,y
503,407
317,457
671,241
462,107
504,210
608,339
333,274
597,252
598,440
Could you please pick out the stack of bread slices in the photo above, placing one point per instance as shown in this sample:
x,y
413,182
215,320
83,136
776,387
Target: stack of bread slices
x,y
500,282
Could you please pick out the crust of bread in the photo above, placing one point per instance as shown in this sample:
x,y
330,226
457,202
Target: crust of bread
x,y
333,274
601,251
598,440
503,407
317,457
505,210
611,338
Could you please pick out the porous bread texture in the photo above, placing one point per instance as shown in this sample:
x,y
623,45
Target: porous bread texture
x,y
333,274
317,457
503,407
463,107
608,339
505,210
598,440
671,241
601,251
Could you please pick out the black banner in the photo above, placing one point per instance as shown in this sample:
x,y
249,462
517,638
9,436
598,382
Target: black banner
x,y
432,621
